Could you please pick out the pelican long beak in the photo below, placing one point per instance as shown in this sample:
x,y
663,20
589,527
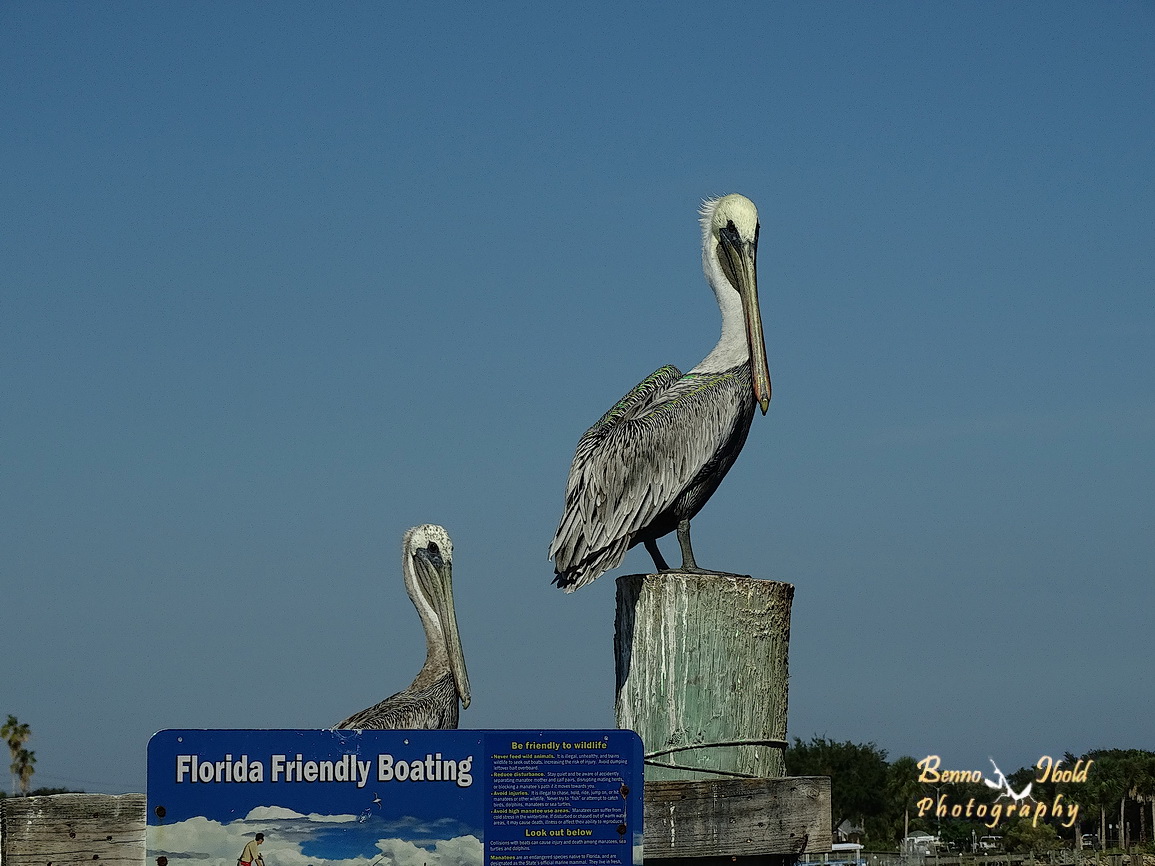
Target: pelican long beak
x,y
437,575
739,261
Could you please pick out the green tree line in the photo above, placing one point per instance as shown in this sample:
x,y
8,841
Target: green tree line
x,y
882,800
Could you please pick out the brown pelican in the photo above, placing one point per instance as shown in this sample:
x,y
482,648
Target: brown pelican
x,y
431,701
651,462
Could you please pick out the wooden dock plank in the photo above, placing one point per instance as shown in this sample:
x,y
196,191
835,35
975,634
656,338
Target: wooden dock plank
x,y
737,817
70,829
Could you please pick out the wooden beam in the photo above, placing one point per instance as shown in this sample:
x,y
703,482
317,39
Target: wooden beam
x,y
747,821
70,829
770,820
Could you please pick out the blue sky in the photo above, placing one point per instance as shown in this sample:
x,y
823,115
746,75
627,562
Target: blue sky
x,y
280,281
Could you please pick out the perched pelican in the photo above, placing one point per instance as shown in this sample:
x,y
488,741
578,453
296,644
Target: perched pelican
x,y
431,701
651,462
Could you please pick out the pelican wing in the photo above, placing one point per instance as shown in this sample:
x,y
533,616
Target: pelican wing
x,y
634,462
431,708
642,397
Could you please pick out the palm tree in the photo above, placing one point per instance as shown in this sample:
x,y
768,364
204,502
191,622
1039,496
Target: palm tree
x,y
22,768
1141,784
16,734
1119,776
902,789
1102,790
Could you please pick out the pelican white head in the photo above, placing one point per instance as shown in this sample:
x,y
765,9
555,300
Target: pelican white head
x,y
729,258
428,564
717,213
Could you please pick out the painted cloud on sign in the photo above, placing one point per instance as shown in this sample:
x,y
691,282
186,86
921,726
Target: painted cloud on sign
x,y
294,839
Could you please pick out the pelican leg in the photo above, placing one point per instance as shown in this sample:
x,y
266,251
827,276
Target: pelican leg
x,y
659,560
688,563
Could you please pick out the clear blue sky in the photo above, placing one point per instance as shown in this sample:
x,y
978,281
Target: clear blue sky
x,y
281,280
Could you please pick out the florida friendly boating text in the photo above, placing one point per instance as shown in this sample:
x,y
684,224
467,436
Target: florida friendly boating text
x,y
348,768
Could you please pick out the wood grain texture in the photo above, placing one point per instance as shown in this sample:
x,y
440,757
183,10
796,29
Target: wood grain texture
x,y
70,829
737,818
704,659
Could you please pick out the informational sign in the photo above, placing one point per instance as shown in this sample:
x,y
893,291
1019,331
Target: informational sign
x,y
394,798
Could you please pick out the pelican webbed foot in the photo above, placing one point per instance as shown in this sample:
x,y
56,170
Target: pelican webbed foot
x,y
689,564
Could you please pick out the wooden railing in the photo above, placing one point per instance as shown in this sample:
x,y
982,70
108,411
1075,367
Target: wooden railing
x,y
106,830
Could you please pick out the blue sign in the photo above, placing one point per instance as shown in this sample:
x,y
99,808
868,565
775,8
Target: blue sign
x,y
394,798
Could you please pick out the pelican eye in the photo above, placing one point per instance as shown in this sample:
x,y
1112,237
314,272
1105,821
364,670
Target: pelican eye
x,y
730,234
730,241
433,553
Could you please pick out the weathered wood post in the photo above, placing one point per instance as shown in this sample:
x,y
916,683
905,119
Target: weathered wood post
x,y
702,672
702,666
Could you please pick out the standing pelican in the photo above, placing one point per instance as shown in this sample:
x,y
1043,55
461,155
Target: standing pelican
x,y
431,701
651,462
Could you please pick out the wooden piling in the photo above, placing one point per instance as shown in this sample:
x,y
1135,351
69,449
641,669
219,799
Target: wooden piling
x,y
702,674
702,668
